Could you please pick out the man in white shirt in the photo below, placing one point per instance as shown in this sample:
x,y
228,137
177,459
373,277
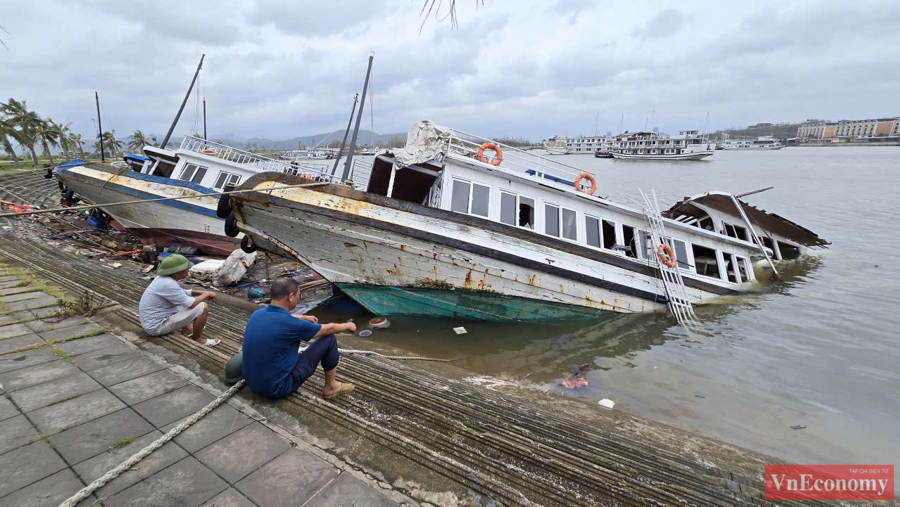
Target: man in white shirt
x,y
166,307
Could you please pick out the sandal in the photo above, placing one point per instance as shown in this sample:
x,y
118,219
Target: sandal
x,y
345,388
210,342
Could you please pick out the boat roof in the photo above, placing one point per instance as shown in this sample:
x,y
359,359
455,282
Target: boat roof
x,y
721,201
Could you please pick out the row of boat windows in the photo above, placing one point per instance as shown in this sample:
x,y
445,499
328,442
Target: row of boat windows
x,y
195,173
560,222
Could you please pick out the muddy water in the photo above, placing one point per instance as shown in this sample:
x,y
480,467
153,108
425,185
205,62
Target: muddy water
x,y
819,349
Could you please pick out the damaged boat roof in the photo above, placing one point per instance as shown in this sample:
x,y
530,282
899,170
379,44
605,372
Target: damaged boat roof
x,y
721,201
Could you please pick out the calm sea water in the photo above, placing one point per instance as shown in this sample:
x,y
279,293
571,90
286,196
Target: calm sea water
x,y
821,348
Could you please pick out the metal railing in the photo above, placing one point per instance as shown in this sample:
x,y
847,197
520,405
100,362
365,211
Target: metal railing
x,y
465,144
254,161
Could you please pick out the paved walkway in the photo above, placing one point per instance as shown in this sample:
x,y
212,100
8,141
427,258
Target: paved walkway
x,y
76,400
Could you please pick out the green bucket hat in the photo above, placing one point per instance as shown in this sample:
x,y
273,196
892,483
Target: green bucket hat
x,y
173,264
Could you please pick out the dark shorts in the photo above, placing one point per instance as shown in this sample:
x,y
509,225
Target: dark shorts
x,y
322,351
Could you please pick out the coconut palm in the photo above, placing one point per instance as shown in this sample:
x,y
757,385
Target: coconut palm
x,y
24,122
7,130
76,141
63,132
115,146
48,135
138,140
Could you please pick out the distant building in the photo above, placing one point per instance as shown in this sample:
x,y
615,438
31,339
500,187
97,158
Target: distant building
x,y
760,125
848,129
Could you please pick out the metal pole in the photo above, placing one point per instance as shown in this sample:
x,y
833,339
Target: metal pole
x,y
183,103
204,118
100,126
362,105
349,122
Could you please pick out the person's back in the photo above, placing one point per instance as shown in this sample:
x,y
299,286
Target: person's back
x,y
162,298
271,343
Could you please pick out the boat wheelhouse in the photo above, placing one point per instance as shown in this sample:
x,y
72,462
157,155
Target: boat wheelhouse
x,y
760,143
197,168
580,145
440,232
687,145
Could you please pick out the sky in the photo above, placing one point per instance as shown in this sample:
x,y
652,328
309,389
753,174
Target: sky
x,y
533,69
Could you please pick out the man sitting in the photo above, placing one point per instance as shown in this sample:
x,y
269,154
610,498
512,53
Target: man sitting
x,y
272,339
165,306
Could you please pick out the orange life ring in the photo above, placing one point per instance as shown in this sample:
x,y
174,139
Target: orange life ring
x,y
209,152
490,146
666,256
589,177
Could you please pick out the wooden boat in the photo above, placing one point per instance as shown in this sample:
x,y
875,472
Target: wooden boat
x,y
443,229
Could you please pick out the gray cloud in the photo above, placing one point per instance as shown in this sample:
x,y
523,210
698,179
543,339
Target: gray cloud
x,y
665,23
279,69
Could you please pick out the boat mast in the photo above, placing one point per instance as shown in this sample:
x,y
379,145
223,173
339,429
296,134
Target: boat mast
x,y
100,126
204,118
344,141
180,109
597,125
362,105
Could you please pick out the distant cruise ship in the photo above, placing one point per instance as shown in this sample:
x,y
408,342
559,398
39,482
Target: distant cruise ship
x,y
687,145
760,143
579,145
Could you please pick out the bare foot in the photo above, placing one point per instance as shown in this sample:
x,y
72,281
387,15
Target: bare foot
x,y
331,388
187,330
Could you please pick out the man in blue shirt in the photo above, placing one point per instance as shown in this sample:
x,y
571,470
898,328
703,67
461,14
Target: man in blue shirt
x,y
270,361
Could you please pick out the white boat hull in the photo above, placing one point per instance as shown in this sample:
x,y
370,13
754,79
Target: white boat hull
x,y
683,156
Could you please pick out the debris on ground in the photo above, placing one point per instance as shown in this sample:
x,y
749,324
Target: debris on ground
x,y
204,271
234,268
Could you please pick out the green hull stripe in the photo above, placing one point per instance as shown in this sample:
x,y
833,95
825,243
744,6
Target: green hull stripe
x,y
460,304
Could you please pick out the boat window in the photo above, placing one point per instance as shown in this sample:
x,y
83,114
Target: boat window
x,y
507,208
481,199
193,173
526,212
705,262
729,269
742,268
788,252
681,254
459,202
592,231
729,230
609,235
630,244
646,250
569,227
226,179
551,220
741,232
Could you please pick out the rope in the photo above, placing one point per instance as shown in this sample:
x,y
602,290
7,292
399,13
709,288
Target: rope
x,y
158,199
143,453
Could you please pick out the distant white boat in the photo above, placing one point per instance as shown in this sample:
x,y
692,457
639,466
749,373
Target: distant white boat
x,y
760,143
556,147
687,145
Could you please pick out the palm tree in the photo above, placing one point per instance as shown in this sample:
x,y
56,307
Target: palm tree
x,y
137,141
48,135
76,141
7,130
25,121
110,143
63,132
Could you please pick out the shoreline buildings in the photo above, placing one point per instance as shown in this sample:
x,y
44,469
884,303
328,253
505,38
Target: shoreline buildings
x,y
818,131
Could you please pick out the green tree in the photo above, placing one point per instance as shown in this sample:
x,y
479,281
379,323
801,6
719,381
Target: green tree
x,y
76,141
48,135
63,132
7,130
25,123
138,140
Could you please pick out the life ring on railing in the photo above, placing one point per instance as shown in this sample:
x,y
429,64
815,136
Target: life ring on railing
x,y
490,146
666,256
585,176
209,152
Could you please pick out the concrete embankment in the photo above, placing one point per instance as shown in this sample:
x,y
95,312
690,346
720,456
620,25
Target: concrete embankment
x,y
424,429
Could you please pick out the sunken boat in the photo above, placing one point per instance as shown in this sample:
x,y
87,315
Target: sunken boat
x,y
459,226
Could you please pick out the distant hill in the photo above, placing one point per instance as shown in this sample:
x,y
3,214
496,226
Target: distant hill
x,y
781,131
365,137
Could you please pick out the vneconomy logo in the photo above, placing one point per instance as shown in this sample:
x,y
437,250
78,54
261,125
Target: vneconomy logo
x,y
829,482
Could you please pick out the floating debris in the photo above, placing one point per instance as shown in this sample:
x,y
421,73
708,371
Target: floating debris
x,y
570,383
460,330
798,427
365,332
606,403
